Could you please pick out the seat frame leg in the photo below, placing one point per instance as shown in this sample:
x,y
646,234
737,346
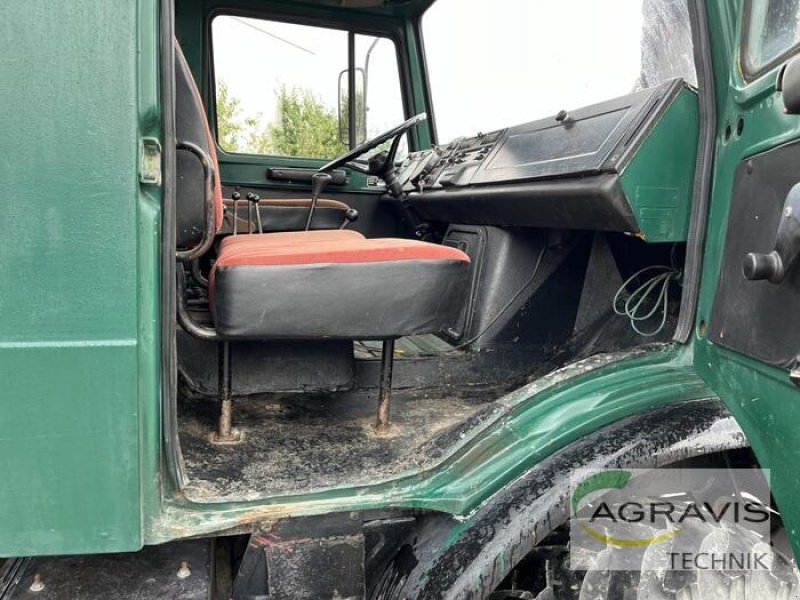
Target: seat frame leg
x,y
225,433
385,392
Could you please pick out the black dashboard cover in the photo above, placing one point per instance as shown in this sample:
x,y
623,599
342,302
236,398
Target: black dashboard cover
x,y
757,318
594,203
589,140
562,171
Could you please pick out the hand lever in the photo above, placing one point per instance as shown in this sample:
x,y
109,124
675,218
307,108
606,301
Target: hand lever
x,y
318,183
350,217
253,200
236,196
775,265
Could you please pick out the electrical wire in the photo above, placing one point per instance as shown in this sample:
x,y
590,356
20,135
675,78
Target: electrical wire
x,y
654,292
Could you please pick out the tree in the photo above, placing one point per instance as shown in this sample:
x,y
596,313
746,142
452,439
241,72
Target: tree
x,y
229,127
304,126
258,138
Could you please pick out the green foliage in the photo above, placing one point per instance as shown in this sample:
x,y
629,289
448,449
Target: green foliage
x,y
258,139
229,126
303,126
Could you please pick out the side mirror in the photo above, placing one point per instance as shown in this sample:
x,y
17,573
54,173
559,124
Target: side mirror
x,y
360,108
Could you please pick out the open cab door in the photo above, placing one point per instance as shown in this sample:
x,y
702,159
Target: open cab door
x,y
748,322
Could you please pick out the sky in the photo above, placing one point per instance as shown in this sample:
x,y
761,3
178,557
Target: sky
x,y
526,59
491,64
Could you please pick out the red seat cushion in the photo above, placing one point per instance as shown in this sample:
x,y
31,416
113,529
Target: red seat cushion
x,y
285,238
334,284
330,246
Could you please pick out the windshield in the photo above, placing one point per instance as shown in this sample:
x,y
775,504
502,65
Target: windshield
x,y
496,64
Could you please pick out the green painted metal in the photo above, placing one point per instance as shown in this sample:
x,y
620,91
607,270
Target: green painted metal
x,y
79,334
149,274
539,421
247,169
418,93
79,338
762,399
658,181
527,426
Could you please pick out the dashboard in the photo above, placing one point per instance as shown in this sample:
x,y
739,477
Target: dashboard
x,y
622,165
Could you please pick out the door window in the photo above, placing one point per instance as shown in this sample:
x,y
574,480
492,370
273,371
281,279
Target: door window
x,y
772,30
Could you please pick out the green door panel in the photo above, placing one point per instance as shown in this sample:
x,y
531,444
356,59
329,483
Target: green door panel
x,y
762,398
251,170
78,274
69,448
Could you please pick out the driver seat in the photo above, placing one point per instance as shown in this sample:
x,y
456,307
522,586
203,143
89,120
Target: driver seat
x,y
319,284
334,284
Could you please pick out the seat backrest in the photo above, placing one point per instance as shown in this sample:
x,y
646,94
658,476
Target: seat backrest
x,y
191,125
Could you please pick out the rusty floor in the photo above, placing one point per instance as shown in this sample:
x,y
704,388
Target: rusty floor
x,y
299,444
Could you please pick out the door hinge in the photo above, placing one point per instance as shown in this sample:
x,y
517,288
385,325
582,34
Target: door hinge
x,y
149,161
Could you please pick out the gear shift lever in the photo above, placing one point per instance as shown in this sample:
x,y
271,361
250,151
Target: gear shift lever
x,y
318,184
350,217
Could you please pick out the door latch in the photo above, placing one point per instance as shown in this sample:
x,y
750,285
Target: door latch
x,y
149,161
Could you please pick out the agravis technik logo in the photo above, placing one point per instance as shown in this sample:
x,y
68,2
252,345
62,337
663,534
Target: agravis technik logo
x,y
692,517
613,480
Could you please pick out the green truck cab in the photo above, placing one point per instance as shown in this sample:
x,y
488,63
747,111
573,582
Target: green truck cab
x,y
332,298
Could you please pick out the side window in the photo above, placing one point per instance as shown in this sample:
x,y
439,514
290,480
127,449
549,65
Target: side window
x,y
282,89
772,29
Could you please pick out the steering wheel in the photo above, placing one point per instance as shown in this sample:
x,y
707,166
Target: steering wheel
x,y
396,134
383,167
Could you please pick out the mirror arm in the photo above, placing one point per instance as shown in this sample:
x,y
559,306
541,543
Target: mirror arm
x,y
366,69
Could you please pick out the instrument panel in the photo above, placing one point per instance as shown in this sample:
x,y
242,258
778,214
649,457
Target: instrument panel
x,y
448,165
570,170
